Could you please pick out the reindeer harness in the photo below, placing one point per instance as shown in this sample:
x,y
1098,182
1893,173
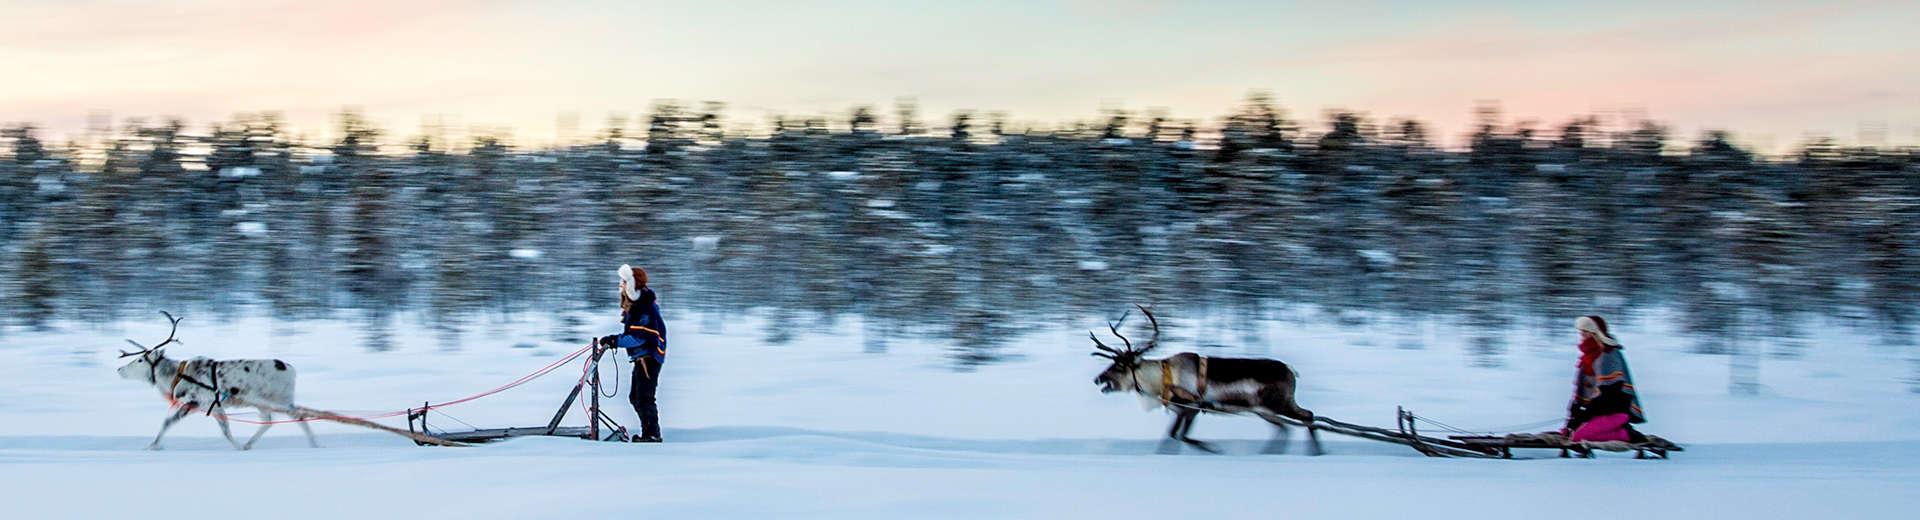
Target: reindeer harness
x,y
179,374
1130,358
1168,392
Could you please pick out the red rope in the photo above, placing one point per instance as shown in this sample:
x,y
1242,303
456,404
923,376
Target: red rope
x,y
383,415
592,367
584,367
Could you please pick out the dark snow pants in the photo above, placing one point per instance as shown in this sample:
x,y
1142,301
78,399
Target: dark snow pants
x,y
646,379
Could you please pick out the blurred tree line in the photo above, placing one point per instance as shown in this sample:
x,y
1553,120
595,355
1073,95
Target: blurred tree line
x,y
970,231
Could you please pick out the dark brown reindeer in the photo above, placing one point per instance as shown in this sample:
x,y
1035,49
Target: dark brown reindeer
x,y
1189,383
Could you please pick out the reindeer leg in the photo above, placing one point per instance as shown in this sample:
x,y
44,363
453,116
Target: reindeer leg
x,y
1170,446
266,421
1281,401
1190,414
1282,435
164,425
1180,419
1313,440
225,431
311,441
1313,432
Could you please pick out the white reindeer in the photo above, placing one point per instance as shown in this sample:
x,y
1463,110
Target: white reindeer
x,y
214,386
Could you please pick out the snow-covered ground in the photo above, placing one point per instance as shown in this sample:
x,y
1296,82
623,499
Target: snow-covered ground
x,y
819,428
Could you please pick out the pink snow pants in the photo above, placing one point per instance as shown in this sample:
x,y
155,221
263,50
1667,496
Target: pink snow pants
x,y
1603,428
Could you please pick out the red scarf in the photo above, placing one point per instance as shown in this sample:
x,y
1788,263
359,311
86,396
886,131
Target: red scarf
x,y
1590,350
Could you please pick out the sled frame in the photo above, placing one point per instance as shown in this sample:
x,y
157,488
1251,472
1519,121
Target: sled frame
x,y
597,419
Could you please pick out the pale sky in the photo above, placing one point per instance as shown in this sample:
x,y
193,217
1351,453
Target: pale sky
x,y
1770,71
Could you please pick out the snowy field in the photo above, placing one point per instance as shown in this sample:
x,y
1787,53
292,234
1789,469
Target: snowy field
x,y
818,428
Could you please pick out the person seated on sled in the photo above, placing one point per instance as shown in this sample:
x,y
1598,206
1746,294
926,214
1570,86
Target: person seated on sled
x,y
644,336
1604,406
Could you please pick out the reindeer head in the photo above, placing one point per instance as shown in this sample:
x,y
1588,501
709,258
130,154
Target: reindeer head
x,y
146,361
1119,376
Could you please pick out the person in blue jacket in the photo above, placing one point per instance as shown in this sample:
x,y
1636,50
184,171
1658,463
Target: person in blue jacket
x,y
644,336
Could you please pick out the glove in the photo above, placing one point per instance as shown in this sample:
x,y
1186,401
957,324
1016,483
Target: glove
x,y
609,340
1576,415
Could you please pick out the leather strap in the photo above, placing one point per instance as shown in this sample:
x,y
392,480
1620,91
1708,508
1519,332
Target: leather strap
x,y
1200,382
1166,383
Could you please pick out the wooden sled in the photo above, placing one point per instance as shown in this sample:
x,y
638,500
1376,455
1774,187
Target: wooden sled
x,y
1406,432
1505,444
596,419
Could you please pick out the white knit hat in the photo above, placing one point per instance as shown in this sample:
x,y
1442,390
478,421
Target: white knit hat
x,y
1586,323
626,276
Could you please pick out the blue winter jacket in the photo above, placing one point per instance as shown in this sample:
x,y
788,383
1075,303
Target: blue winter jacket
x,y
644,334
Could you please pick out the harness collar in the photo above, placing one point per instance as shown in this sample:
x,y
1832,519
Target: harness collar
x,y
180,373
153,370
1200,380
1166,384
182,369
1168,392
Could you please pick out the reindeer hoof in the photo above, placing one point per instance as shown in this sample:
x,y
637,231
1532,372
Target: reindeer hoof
x,y
1201,445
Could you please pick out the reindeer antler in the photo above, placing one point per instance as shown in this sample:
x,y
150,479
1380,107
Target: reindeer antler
x,y
1107,352
1128,348
175,324
1114,327
1155,340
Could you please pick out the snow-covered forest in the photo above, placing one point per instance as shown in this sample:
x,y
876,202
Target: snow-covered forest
x,y
966,227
